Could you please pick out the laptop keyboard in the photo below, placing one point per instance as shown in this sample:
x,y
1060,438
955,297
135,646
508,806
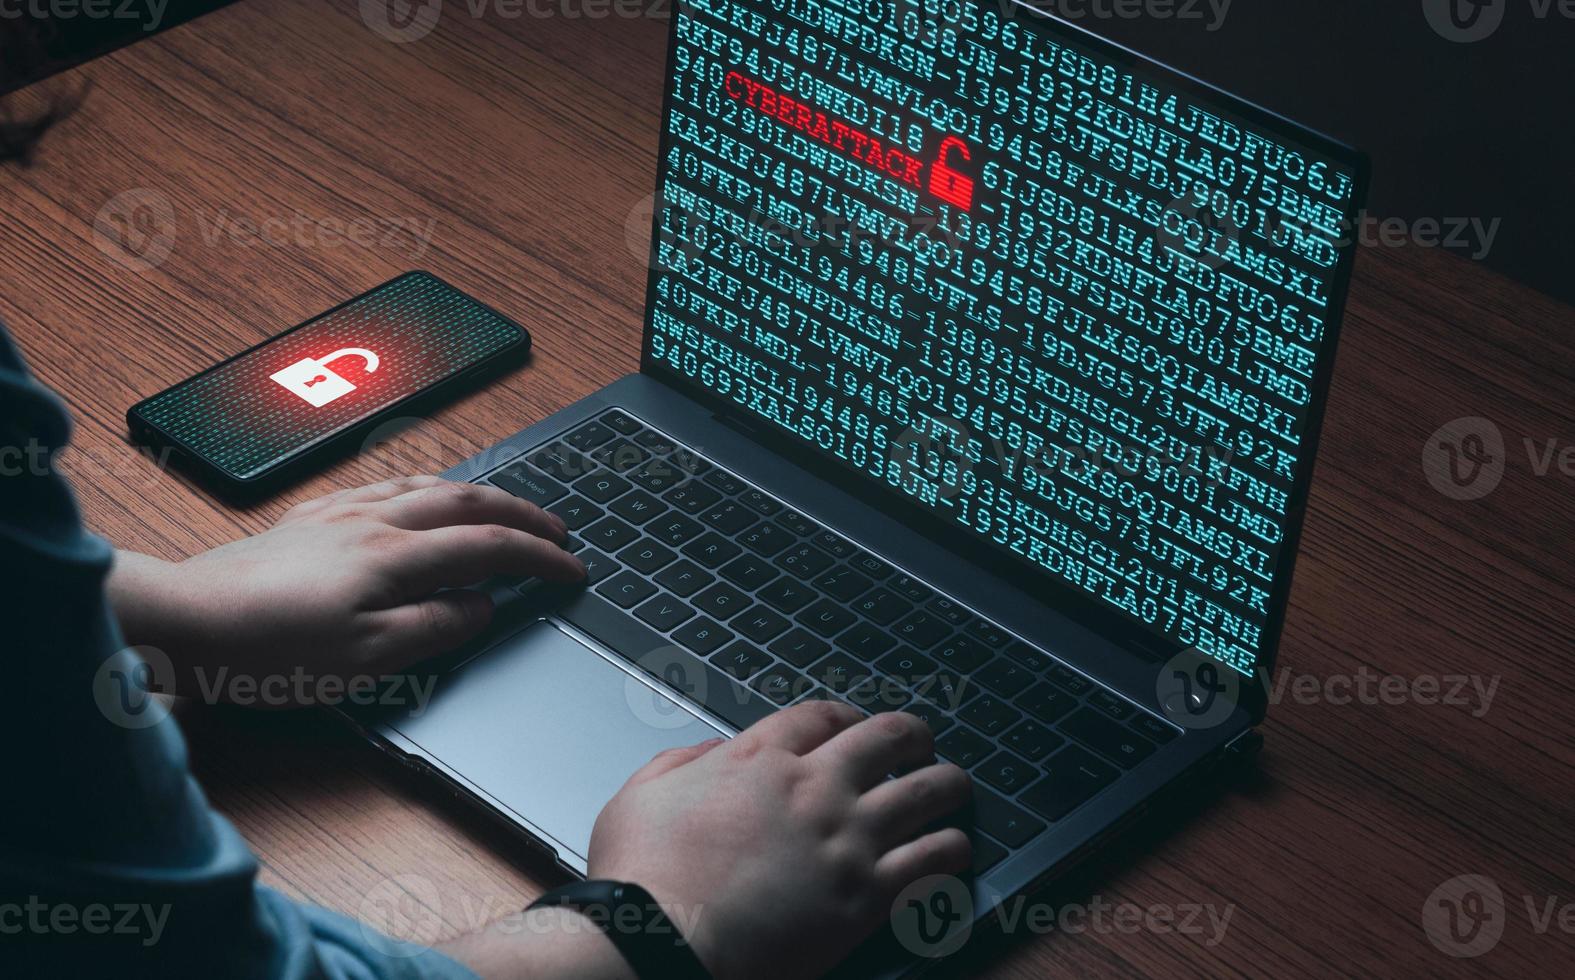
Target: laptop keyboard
x,y
752,606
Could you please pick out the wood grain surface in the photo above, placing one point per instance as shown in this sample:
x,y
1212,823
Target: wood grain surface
x,y
289,156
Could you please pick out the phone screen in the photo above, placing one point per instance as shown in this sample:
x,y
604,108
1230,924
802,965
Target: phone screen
x,y
273,402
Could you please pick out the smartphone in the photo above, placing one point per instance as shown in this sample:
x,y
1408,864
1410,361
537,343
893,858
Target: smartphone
x,y
268,415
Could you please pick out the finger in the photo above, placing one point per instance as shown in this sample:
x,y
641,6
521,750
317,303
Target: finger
x,y
945,852
452,557
412,633
878,745
468,503
801,728
897,809
360,495
670,759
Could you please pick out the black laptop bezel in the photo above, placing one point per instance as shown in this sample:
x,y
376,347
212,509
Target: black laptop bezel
x,y
1122,631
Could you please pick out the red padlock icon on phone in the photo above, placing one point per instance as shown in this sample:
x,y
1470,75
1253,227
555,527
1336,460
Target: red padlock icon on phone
x,y
950,185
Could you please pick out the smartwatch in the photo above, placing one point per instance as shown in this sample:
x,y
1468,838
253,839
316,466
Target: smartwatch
x,y
641,932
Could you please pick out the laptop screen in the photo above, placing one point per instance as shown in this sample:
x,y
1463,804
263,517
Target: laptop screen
x,y
1054,298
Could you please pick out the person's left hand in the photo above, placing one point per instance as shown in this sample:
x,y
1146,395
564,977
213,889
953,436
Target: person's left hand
x,y
346,585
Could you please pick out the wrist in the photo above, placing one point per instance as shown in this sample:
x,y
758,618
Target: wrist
x,y
646,933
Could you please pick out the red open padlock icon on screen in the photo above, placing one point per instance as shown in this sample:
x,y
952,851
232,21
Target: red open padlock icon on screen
x,y
951,186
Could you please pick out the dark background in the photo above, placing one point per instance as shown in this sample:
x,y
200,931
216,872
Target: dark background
x,y
1480,130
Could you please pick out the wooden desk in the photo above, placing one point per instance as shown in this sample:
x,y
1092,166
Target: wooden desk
x,y
529,144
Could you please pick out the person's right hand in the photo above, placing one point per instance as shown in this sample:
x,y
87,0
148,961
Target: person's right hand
x,y
784,848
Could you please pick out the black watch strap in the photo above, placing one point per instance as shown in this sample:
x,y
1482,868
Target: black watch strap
x,y
639,929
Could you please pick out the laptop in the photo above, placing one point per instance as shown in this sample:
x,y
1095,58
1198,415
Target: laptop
x,y
981,378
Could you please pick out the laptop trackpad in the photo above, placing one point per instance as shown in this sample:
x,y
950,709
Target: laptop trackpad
x,y
550,729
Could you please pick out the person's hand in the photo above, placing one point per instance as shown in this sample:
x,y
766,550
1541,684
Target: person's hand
x,y
784,848
346,585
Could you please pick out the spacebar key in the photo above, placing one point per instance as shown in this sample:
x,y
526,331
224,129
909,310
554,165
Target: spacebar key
x,y
665,660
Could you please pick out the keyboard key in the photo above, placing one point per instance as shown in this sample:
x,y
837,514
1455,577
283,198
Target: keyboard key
x,y
963,746
601,486
1111,705
759,624
1068,679
748,572
575,512
646,556
726,482
930,715
637,507
621,422
799,647
1115,742
688,461
947,689
1072,776
881,606
702,635
920,629
1006,772
1026,655
684,578
986,854
1032,740
841,583
561,462
871,566
1005,677
797,523
597,565
960,654
626,589
835,544
804,561
910,588
906,665
711,549
620,455
692,498
722,601
989,714
988,633
657,475
765,539
1006,822
609,534
1151,727
528,483
949,610
647,649
729,517
588,436
656,442
757,501
1046,702
741,659
826,618
673,529
664,612
838,672
787,595
877,694
865,641
780,685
